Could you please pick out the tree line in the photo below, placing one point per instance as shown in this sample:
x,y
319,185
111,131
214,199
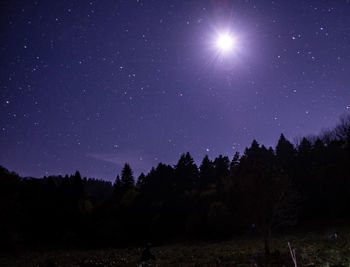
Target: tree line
x,y
257,193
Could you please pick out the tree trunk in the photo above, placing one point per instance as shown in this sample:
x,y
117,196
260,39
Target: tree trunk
x,y
267,239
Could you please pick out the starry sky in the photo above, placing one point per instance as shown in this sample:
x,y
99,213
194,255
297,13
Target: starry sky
x,y
89,85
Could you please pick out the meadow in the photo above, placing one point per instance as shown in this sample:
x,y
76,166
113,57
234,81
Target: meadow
x,y
312,249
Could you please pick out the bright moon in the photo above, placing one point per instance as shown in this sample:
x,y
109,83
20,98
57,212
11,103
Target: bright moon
x,y
225,42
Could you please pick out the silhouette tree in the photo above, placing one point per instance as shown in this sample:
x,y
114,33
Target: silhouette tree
x,y
9,200
140,181
206,173
222,166
117,188
77,186
159,203
342,130
304,149
235,162
127,180
264,192
286,154
186,173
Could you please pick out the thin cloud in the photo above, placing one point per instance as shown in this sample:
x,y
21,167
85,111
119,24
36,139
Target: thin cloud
x,y
138,162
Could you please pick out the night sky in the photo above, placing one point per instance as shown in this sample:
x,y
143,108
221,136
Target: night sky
x,y
89,85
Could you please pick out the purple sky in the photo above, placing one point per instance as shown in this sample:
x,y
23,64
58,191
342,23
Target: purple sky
x,y
89,85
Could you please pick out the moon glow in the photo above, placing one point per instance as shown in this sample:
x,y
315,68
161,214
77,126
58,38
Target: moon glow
x,y
225,43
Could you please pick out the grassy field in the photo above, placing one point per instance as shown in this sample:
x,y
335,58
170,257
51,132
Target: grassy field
x,y
312,249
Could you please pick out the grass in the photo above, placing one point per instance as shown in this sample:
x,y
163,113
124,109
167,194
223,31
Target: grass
x,y
312,249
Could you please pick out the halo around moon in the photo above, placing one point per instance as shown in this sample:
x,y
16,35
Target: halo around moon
x,y
226,47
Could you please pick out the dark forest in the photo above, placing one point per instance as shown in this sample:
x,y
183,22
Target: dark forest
x,y
259,193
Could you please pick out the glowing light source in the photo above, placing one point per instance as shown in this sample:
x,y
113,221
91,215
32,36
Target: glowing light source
x,y
225,42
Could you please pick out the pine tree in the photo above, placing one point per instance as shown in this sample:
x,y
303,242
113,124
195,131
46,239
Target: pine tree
x,y
117,187
141,180
186,173
222,166
127,178
285,153
206,172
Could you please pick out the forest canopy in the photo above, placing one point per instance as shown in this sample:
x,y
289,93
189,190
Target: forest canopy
x,y
256,193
